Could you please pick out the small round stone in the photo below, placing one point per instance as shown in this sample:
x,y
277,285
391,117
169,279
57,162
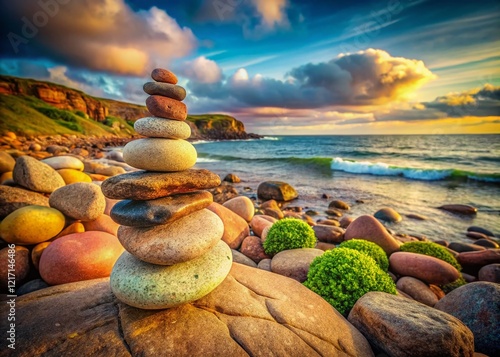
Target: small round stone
x,y
64,162
81,200
150,286
31,225
154,127
165,89
164,155
163,75
167,108
36,176
72,176
185,239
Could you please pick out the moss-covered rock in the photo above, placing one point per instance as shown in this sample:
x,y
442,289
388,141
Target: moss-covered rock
x,y
289,233
369,248
432,249
342,275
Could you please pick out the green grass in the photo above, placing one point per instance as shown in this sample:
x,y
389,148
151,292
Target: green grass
x,y
28,115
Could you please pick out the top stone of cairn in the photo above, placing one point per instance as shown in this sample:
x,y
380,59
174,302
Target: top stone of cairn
x,y
163,75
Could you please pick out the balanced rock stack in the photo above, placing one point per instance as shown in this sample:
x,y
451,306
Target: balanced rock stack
x,y
174,252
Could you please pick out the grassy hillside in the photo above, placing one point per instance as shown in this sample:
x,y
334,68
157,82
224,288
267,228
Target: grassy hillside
x,y
28,115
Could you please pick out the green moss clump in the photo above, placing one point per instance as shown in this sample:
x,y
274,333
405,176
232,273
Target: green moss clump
x,y
342,275
432,249
369,248
289,233
452,286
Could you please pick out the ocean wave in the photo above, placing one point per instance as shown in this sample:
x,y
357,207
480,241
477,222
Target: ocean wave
x,y
270,138
424,174
206,159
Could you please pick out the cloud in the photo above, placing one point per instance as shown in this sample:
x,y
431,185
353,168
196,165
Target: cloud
x,y
102,35
201,70
369,77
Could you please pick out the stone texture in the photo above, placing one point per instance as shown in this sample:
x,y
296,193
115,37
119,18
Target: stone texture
x,y
388,214
418,290
464,247
7,162
242,206
64,162
477,305
154,127
103,223
479,258
346,221
163,75
142,185
487,243
13,198
294,263
31,286
72,176
232,178
164,155
152,287
36,253
265,264
79,256
167,108
235,227
241,258
482,230
81,200
423,267
329,222
31,225
22,267
165,89
398,326
252,312
368,228
253,249
184,239
460,209
328,233
276,190
161,210
36,176
259,222
75,227
490,272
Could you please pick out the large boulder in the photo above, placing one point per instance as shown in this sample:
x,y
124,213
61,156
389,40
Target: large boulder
x,y
276,190
478,306
398,326
253,312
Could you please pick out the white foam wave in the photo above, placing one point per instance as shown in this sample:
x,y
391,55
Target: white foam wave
x,y
274,138
383,169
205,159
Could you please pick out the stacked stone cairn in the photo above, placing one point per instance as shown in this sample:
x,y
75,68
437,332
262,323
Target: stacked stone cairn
x,y
174,252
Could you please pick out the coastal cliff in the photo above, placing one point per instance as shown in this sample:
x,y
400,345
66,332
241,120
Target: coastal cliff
x,y
31,107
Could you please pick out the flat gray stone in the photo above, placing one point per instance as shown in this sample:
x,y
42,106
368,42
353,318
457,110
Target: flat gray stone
x,y
154,127
165,89
36,176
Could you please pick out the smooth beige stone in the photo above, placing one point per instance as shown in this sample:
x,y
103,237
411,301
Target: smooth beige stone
x,y
154,127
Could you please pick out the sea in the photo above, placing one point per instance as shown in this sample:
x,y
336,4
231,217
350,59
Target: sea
x,y
409,173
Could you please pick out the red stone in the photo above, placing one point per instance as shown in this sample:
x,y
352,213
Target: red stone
x,y
167,108
235,227
163,75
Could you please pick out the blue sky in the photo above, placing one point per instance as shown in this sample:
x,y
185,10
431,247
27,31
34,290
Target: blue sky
x,y
280,66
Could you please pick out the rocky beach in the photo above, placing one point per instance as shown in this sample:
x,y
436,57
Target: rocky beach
x,y
128,246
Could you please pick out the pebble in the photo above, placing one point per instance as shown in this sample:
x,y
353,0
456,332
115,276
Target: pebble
x,y
167,108
328,233
339,204
476,235
259,222
143,185
82,200
64,162
13,198
31,286
265,264
460,209
232,178
294,263
36,253
480,230
479,258
235,227
388,214
79,256
150,286
36,176
253,249
242,206
154,127
103,223
329,222
464,247
163,75
368,228
417,217
423,267
333,212
76,227
31,225
242,259
490,272
418,290
487,243
22,266
161,210
177,155
346,221
276,190
7,162
165,89
72,176
184,239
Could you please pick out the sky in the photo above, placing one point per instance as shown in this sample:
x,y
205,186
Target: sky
x,y
282,67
